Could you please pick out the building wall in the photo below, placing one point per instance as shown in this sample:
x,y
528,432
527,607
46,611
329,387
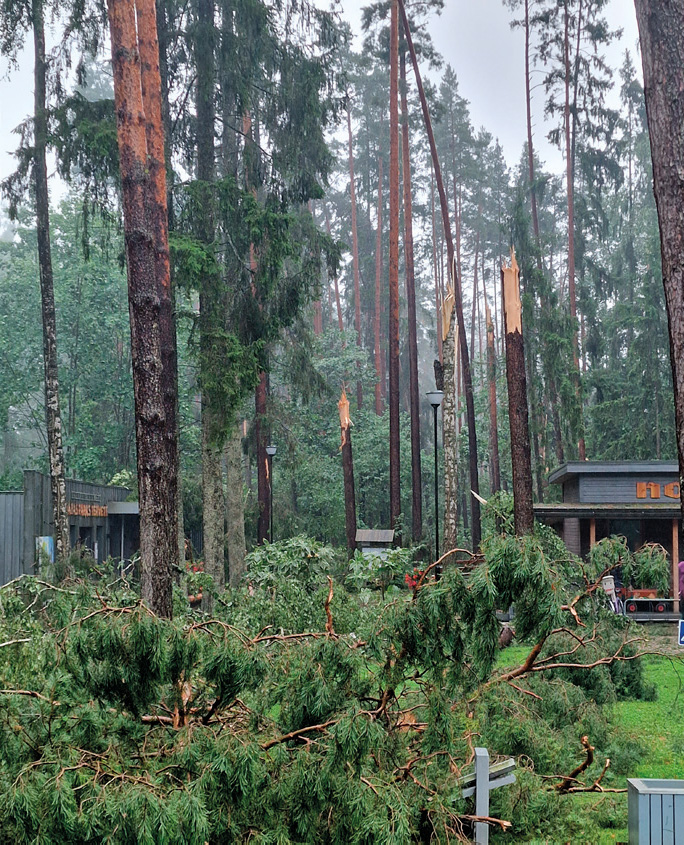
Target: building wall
x,y
620,489
11,536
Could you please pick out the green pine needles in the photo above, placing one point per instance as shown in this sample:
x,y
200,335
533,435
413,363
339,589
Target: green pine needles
x,y
337,721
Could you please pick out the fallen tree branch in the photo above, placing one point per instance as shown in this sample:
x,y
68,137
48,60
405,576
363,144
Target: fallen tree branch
x,y
503,824
564,785
14,642
329,623
294,734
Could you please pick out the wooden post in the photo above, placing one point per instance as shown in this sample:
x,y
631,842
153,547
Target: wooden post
x,y
517,400
481,794
675,564
592,533
348,468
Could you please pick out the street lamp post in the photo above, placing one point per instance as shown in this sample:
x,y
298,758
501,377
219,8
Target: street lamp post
x,y
435,398
270,451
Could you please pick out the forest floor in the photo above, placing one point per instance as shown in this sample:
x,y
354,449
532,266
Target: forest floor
x,y
657,726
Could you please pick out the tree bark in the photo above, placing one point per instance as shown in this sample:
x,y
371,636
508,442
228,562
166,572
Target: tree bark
x,y
235,511
348,469
662,54
438,309
212,305
463,342
263,480
414,395
517,400
53,416
395,489
355,252
378,287
155,433
530,147
493,423
450,429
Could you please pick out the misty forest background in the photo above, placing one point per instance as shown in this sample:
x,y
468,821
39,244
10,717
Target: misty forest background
x,y
278,310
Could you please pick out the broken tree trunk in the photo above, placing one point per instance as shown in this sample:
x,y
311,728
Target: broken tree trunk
x,y
517,399
348,469
449,331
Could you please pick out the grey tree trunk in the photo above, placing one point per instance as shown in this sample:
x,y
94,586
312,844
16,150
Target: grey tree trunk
x,y
450,436
235,508
53,417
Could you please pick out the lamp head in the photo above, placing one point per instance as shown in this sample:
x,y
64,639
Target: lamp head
x,y
435,397
270,451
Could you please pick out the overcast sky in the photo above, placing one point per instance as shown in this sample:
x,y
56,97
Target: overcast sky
x,y
473,36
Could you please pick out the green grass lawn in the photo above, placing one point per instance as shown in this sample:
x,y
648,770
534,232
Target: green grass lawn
x,y
656,726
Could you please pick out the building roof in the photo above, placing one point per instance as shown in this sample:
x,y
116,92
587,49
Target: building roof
x,y
573,469
371,535
602,510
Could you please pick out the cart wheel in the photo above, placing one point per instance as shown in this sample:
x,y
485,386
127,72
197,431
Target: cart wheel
x,y
660,607
631,607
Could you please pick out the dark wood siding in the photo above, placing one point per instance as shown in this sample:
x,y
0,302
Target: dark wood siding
x,y
11,539
618,489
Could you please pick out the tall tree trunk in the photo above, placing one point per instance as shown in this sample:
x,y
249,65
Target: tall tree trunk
x,y
570,178
530,146
438,310
493,424
463,343
414,395
395,489
348,470
53,417
355,252
149,298
212,305
662,54
338,304
450,427
263,480
235,511
378,306
517,400
171,345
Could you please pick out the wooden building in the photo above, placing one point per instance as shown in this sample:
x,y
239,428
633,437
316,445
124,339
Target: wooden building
x,y
100,520
637,499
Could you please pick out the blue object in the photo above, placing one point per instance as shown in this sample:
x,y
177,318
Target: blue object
x,y
680,638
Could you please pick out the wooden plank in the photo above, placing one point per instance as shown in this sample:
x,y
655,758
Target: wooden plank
x,y
656,819
678,818
668,820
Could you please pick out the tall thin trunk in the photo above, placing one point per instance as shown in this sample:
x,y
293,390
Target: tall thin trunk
x,y
149,298
378,286
495,471
53,417
465,358
450,429
570,178
340,321
414,396
475,286
212,305
348,470
355,252
395,489
517,401
263,480
235,511
438,309
530,146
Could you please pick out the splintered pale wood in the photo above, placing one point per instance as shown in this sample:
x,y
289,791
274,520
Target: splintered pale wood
x,y
348,469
